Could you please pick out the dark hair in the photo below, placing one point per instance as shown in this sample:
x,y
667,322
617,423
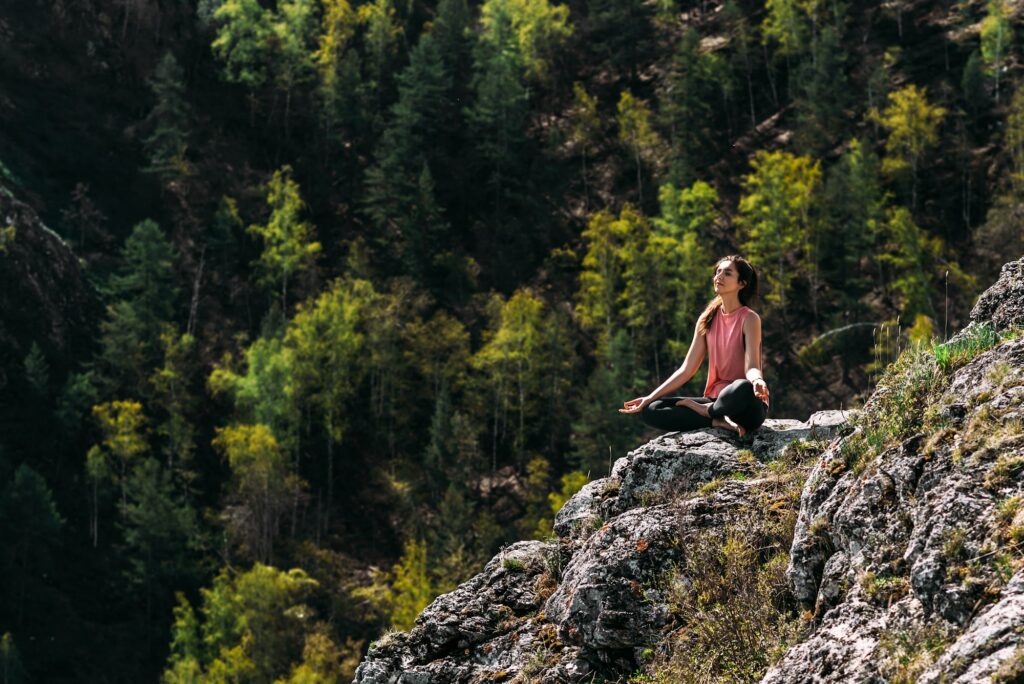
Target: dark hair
x,y
747,294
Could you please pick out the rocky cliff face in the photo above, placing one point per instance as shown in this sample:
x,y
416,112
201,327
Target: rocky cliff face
x,y
43,293
905,562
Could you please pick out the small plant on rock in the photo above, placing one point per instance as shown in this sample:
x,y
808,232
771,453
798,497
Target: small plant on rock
x,y
907,653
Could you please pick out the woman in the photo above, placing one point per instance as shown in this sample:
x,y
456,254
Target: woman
x,y
729,334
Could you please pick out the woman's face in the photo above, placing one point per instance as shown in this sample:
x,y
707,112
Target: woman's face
x,y
726,278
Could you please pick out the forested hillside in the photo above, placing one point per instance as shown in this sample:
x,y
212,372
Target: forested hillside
x,y
307,307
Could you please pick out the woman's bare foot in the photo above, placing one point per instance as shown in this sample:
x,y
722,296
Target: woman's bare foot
x,y
728,424
696,406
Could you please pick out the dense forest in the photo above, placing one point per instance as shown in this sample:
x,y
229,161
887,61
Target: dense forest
x,y
365,282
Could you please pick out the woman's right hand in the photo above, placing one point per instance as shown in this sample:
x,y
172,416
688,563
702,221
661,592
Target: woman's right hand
x,y
635,405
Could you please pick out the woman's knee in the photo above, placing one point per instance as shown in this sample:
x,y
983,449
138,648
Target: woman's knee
x,y
741,387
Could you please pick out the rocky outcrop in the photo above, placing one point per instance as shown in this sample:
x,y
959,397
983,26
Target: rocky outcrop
x,y
43,293
588,602
907,554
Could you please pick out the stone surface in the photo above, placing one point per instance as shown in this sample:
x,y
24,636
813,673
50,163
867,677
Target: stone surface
x,y
619,536
1002,305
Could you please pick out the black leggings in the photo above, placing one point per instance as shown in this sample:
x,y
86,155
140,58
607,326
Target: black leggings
x,y
737,401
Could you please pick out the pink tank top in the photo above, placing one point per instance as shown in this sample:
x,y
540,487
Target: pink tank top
x,y
726,361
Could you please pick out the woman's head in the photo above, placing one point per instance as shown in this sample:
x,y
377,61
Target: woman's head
x,y
732,274
735,274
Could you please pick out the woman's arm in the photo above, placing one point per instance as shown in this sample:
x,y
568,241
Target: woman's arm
x,y
752,355
694,357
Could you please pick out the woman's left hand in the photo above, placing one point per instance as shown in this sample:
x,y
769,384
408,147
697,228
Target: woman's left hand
x,y
761,389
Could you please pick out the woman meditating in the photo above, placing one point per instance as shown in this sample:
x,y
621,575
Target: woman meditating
x,y
729,334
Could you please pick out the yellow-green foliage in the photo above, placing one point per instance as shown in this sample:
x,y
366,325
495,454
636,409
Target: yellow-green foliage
x,y
884,590
248,627
411,590
730,601
7,235
538,28
906,654
976,339
397,597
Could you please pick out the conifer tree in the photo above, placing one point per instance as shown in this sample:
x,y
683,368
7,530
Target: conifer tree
x,y
144,294
37,371
497,116
822,92
168,122
161,539
29,525
972,84
854,204
599,437
686,105
621,35
400,193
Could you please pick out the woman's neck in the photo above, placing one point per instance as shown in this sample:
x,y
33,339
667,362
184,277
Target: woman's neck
x,y
730,303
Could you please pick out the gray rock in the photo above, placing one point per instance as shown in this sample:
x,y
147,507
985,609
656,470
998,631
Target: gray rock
x,y
841,650
1002,305
991,639
604,601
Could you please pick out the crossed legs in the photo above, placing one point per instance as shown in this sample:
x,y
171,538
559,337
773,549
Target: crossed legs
x,y
736,408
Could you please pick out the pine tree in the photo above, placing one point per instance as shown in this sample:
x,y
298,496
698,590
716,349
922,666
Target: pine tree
x,y
29,525
144,297
601,436
399,187
168,122
161,538
497,116
822,92
972,84
686,105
